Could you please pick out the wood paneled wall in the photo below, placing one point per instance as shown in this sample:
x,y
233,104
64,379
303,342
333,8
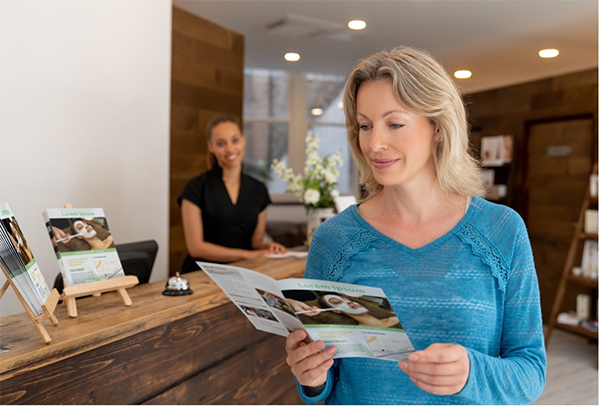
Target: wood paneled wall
x,y
207,78
520,110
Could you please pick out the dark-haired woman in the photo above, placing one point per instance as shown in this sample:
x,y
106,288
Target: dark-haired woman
x,y
224,211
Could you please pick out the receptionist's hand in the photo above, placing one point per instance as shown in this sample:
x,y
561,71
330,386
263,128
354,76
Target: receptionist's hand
x,y
275,248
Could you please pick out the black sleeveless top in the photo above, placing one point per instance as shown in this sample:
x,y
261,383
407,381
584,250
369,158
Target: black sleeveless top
x,y
223,222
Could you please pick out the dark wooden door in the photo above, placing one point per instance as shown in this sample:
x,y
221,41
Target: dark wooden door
x,y
559,162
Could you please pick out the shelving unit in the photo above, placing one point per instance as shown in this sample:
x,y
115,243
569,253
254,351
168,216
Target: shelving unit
x,y
584,284
498,157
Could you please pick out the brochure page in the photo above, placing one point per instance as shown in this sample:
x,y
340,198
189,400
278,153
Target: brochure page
x,y
19,263
83,245
257,296
358,320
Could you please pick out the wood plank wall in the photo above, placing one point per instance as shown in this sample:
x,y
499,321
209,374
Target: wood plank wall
x,y
207,78
518,110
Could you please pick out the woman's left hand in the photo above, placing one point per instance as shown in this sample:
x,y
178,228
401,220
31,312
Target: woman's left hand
x,y
441,369
275,248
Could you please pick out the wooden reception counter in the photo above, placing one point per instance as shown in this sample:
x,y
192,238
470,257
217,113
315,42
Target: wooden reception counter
x,y
197,349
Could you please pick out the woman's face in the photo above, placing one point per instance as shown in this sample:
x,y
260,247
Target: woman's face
x,y
396,143
81,226
227,144
339,301
345,305
84,229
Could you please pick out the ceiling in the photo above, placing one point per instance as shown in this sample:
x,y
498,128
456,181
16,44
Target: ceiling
x,y
498,40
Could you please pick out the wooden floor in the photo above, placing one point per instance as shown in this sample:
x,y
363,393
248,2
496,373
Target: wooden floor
x,y
572,374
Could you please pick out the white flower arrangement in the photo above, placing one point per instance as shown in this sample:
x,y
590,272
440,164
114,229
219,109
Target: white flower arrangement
x,y
316,188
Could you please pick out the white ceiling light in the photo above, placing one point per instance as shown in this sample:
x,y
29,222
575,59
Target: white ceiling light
x,y
357,25
316,111
548,53
292,56
341,105
463,74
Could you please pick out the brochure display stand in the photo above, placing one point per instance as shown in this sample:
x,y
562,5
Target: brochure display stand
x,y
48,307
120,284
70,293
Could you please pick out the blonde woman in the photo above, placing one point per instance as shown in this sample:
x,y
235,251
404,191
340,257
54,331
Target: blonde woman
x,y
458,270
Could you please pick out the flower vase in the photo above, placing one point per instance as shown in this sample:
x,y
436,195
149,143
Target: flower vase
x,y
316,217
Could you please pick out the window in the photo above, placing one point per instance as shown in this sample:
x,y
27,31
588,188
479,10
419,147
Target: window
x,y
277,116
325,92
266,124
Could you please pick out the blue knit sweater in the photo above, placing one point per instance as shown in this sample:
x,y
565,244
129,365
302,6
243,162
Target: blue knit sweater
x,y
475,286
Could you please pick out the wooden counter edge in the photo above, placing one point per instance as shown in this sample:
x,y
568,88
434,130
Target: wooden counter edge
x,y
54,352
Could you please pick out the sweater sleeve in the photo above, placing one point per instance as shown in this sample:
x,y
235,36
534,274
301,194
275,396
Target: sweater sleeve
x,y
316,265
329,384
518,375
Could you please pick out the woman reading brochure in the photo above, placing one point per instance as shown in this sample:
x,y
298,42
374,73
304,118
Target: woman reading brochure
x,y
458,269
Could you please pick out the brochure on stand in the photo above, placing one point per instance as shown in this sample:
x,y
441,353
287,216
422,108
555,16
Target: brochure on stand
x,y
358,320
19,263
83,244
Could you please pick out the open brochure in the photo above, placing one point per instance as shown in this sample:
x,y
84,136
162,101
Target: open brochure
x,y
358,320
18,262
83,244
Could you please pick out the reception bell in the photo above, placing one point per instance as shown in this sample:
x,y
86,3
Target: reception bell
x,y
177,286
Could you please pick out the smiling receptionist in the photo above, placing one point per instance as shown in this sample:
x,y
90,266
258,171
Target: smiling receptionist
x,y
224,211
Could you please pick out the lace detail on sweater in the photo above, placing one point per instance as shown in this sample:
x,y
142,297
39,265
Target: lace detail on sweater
x,y
487,252
341,261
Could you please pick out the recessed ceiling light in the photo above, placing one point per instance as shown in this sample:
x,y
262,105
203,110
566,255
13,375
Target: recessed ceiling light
x,y
292,57
316,111
341,105
463,74
548,53
357,25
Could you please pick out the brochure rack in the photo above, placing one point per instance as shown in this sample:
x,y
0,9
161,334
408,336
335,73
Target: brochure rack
x,y
48,307
71,293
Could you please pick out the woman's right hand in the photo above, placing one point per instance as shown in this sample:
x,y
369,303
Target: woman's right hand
x,y
308,361
255,253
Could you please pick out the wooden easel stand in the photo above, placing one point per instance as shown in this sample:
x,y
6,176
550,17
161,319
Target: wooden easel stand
x,y
70,293
48,307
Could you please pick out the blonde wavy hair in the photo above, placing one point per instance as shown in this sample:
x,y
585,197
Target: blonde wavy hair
x,y
423,87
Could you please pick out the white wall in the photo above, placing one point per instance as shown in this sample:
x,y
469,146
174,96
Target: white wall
x,y
84,118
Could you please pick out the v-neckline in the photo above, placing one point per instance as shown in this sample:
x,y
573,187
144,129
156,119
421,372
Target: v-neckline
x,y
422,249
218,171
227,191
